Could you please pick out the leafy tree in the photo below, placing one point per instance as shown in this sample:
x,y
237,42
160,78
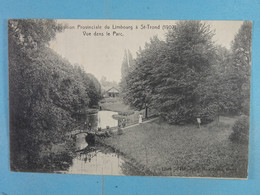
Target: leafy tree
x,y
171,76
142,78
92,86
217,91
47,94
125,68
190,53
240,70
127,63
188,76
25,38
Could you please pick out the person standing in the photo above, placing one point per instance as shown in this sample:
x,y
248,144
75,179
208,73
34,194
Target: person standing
x,y
140,118
123,122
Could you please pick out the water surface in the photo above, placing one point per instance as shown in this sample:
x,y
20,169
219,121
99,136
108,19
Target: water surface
x,y
102,119
99,160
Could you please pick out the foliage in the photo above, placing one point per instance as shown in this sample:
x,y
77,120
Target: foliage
x,y
240,70
119,131
48,96
143,77
115,104
215,92
92,86
240,130
191,53
187,76
168,75
127,65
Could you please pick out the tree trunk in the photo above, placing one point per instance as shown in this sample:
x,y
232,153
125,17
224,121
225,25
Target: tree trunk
x,y
146,111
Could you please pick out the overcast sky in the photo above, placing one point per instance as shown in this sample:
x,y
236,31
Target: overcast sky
x,y
103,55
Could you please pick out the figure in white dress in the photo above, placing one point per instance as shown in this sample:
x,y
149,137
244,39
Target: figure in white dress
x,y
140,118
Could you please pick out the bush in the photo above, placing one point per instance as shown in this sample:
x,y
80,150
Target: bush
x,y
208,113
246,107
103,101
111,131
119,131
126,113
240,130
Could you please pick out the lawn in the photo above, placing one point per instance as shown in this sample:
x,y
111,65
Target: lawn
x,y
170,150
115,104
124,111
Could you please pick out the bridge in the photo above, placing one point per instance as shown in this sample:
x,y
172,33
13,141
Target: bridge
x,y
76,132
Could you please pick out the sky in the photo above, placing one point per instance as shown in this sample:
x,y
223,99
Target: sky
x,y
103,55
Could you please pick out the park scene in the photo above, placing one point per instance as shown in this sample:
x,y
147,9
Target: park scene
x,y
133,98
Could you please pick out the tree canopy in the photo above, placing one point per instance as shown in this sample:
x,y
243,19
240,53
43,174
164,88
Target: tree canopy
x,y
188,76
48,96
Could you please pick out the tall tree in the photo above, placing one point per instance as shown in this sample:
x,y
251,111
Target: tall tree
x,y
142,78
188,76
47,95
92,86
190,53
241,65
216,91
127,63
126,66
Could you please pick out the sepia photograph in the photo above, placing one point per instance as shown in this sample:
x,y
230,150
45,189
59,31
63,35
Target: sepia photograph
x,y
167,98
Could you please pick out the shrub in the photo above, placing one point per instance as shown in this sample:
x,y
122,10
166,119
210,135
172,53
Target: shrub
x,y
126,113
240,130
111,132
103,101
246,107
208,113
119,131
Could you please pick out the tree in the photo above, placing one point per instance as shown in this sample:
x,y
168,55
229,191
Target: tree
x,y
47,94
142,78
217,91
126,64
170,75
241,66
125,68
25,39
92,86
190,51
188,76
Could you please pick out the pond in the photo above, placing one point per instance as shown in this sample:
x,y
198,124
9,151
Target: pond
x,y
99,160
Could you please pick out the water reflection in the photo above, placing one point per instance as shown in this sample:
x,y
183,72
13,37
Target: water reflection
x,y
102,119
81,141
97,162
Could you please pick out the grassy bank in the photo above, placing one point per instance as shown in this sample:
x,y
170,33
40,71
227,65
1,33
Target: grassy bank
x,y
130,115
124,111
170,150
115,104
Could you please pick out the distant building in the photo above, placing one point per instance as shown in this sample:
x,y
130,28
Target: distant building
x,y
112,92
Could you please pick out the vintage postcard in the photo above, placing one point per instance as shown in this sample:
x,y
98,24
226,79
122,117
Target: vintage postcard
x,y
130,97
